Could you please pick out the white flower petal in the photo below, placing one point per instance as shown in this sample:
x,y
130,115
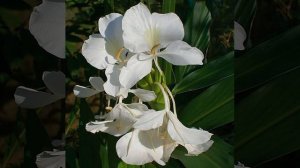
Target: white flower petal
x,y
137,109
239,36
30,98
150,120
136,24
180,53
169,27
184,135
122,121
49,159
47,25
97,83
55,82
94,51
169,147
97,126
194,150
112,20
138,148
144,95
112,86
137,68
110,28
83,92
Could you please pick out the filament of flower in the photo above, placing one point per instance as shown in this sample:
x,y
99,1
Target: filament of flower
x,y
154,50
166,97
172,98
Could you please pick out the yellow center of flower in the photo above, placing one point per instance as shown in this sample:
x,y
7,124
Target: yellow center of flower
x,y
118,54
154,50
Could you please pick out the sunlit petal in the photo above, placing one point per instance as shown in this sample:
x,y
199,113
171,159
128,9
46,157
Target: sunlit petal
x,y
136,23
180,53
137,68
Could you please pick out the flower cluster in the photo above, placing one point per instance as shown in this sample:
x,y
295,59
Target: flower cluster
x,y
126,47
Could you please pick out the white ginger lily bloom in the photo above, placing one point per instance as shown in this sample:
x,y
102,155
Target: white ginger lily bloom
x,y
51,159
106,51
31,98
239,36
119,121
147,35
47,25
157,134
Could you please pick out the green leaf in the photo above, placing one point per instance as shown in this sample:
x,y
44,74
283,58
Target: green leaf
x,y
198,19
209,74
218,156
268,60
211,109
267,121
168,6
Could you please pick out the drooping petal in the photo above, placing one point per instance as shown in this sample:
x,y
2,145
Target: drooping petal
x,y
150,120
112,85
47,25
169,147
144,95
138,148
55,82
239,36
194,150
169,27
94,51
83,92
122,121
184,135
137,68
97,83
97,126
51,159
180,53
110,28
30,98
136,24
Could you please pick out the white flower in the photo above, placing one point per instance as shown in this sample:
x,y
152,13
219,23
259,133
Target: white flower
x,y
120,120
106,51
47,25
51,159
151,36
240,36
30,98
157,134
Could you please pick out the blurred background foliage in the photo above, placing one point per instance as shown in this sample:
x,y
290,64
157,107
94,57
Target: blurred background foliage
x,y
267,96
24,133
